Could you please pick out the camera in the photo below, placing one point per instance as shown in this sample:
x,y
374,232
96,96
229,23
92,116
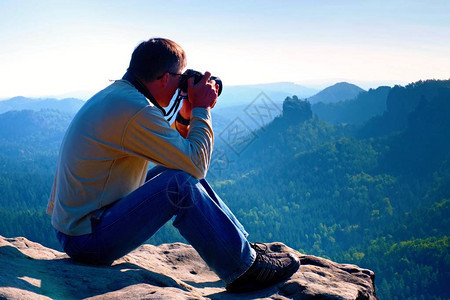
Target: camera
x,y
197,77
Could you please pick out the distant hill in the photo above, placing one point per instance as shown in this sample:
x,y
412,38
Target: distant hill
x,y
400,103
277,92
339,92
237,103
27,131
355,111
68,105
239,95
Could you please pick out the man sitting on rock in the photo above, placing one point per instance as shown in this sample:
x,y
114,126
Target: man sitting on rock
x,y
104,203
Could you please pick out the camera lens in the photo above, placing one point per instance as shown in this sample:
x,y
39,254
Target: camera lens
x,y
197,77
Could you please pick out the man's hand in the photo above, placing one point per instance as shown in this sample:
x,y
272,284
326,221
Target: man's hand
x,y
204,93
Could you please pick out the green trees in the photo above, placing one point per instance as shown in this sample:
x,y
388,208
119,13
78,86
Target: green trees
x,y
371,196
25,186
29,142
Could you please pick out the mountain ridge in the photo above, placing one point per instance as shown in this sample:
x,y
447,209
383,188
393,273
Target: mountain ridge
x,y
338,92
363,107
68,105
276,93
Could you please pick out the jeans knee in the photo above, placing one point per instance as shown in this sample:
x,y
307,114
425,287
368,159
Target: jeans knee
x,y
181,178
180,188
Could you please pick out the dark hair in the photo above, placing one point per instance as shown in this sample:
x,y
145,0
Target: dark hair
x,y
155,57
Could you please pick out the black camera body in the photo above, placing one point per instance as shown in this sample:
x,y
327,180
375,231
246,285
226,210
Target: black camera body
x,y
197,77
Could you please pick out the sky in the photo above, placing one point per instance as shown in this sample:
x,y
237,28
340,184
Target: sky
x,y
60,48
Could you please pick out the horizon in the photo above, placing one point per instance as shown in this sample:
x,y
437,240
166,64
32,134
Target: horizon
x,y
318,87
85,95
51,48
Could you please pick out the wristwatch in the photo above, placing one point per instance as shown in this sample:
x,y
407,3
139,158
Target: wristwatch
x,y
182,120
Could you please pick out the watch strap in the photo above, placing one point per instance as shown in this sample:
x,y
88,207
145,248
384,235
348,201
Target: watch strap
x,y
182,120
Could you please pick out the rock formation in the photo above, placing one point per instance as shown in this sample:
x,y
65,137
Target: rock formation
x,y
296,110
169,271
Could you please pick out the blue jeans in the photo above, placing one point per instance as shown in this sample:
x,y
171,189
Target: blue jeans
x,y
200,216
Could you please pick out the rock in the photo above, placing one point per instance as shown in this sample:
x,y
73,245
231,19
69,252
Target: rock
x,y
296,110
169,271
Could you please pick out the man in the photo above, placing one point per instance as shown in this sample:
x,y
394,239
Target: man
x,y
104,203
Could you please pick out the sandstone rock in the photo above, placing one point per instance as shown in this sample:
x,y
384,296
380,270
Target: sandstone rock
x,y
169,271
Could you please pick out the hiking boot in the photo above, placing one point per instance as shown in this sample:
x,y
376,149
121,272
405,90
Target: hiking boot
x,y
264,249
265,271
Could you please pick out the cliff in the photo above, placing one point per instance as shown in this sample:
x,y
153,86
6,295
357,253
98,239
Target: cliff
x,y
29,270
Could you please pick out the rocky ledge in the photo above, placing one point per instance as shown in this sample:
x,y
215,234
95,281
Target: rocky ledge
x,y
29,270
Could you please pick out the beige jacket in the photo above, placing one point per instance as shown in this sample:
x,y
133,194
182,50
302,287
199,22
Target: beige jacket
x,y
106,151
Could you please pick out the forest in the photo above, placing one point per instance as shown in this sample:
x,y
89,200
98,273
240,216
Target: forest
x,y
363,181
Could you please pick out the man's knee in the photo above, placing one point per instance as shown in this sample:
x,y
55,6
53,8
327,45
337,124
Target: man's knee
x,y
180,177
181,188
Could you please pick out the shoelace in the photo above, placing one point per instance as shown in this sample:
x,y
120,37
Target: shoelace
x,y
259,247
261,253
270,269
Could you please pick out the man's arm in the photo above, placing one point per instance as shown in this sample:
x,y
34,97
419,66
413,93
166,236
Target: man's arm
x,y
204,94
149,135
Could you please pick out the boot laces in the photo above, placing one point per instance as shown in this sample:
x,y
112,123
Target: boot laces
x,y
259,247
261,255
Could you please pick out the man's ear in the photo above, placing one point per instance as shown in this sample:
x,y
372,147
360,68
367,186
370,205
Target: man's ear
x,y
164,79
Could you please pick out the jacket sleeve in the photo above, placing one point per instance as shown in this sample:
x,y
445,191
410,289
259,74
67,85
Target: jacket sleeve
x,y
149,135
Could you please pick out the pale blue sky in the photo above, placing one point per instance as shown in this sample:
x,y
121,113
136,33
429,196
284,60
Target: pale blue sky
x,y
58,47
